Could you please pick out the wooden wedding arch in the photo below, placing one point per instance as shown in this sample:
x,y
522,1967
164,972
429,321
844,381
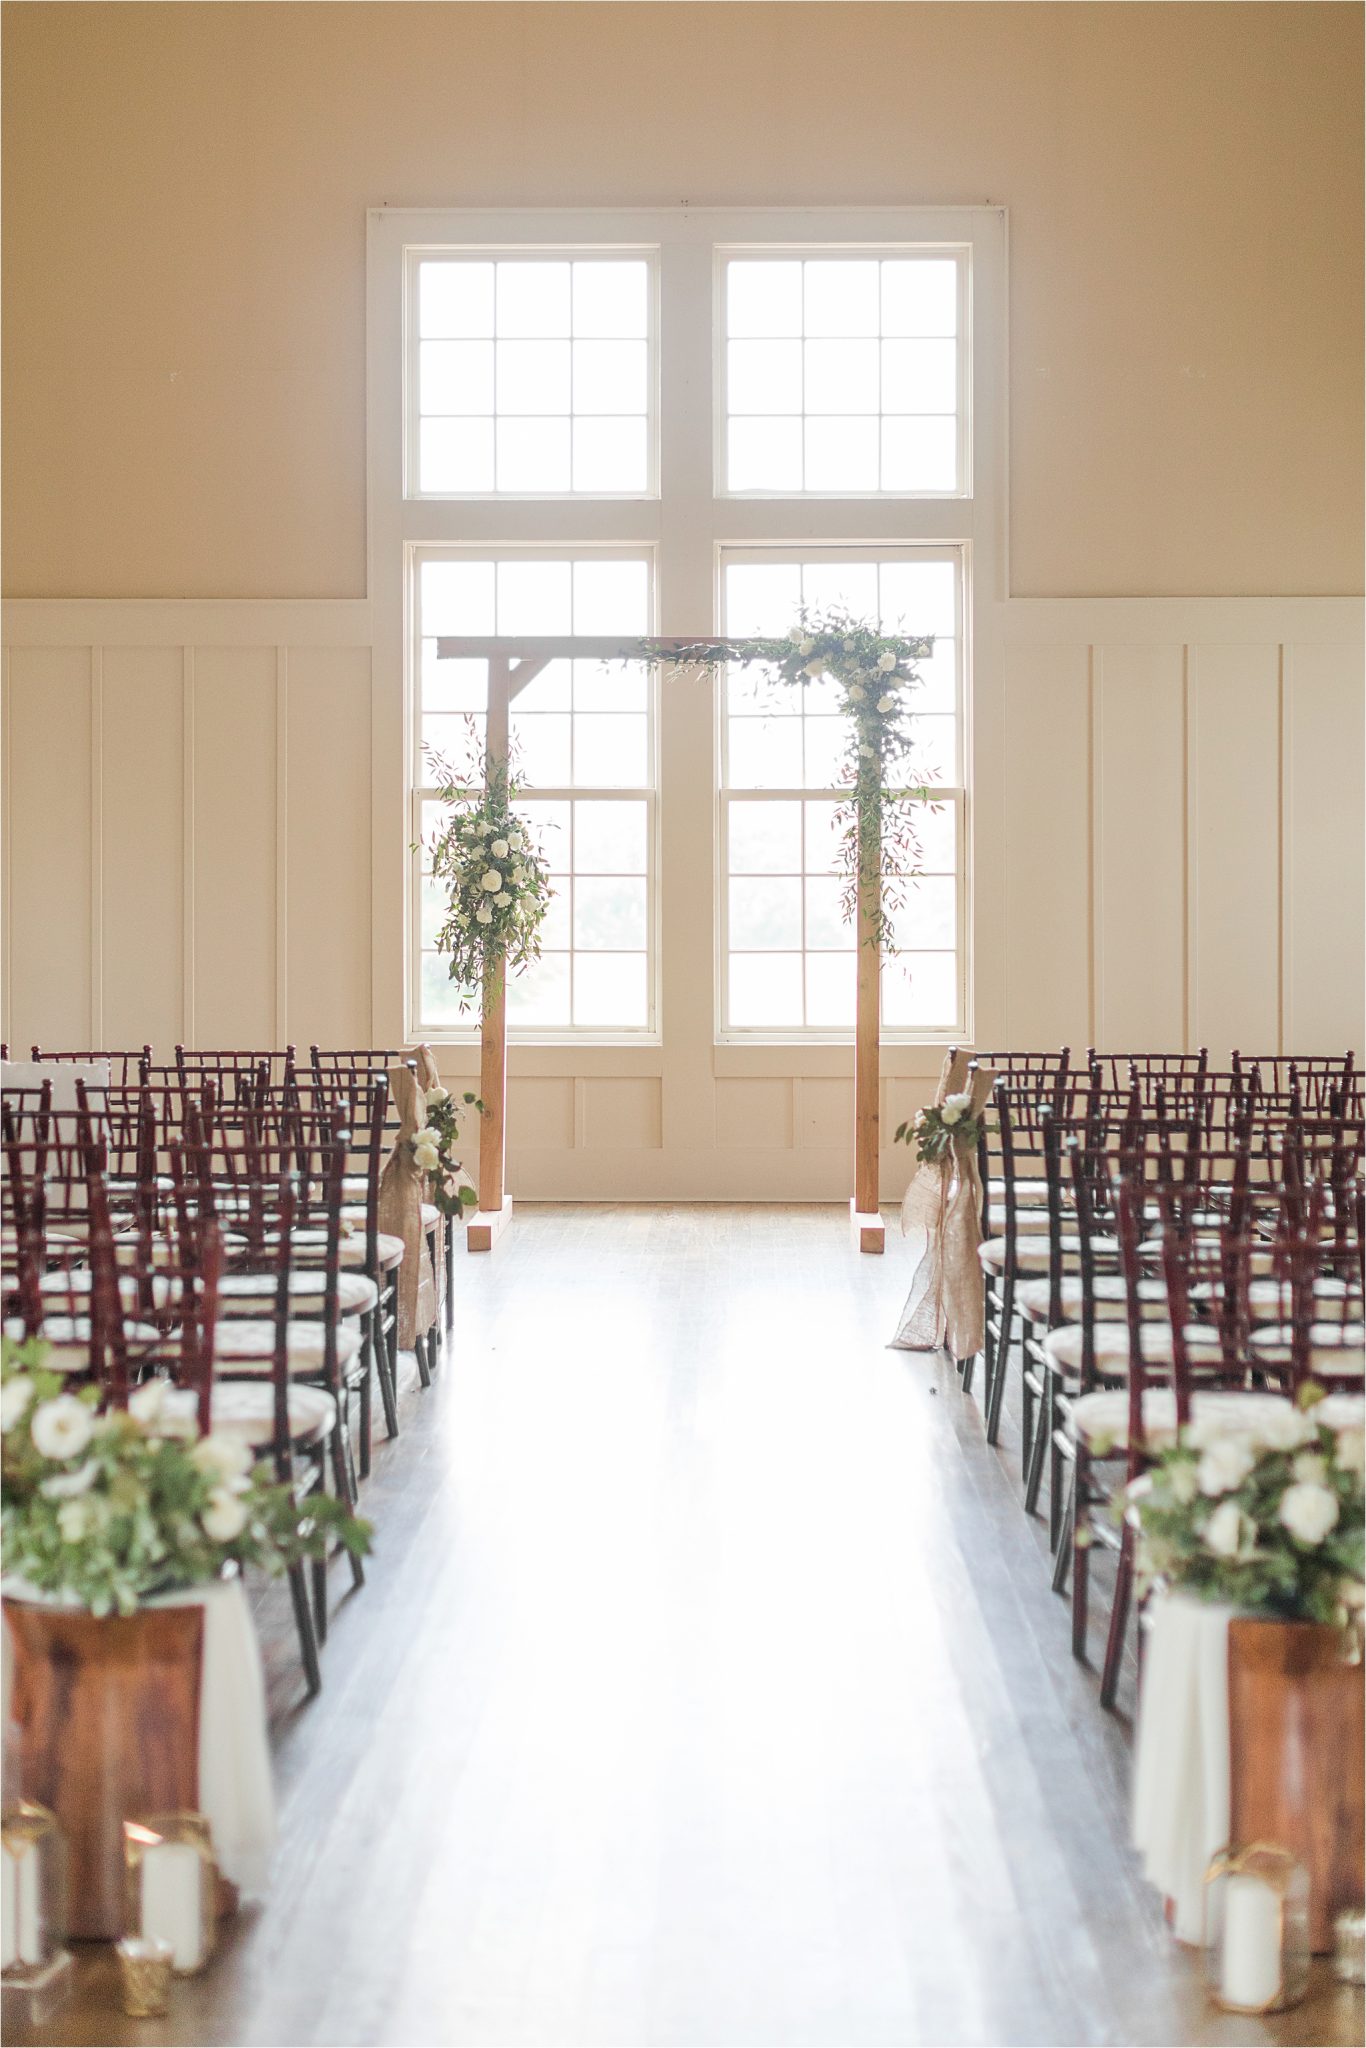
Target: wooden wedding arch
x,y
514,662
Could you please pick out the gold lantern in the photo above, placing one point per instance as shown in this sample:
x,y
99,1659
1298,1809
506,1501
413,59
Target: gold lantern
x,y
1256,1929
37,1973
172,1885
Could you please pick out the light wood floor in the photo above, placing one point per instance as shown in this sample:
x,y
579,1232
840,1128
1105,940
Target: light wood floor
x,y
707,1689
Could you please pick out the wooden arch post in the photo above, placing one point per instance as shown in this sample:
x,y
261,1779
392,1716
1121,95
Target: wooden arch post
x,y
864,1213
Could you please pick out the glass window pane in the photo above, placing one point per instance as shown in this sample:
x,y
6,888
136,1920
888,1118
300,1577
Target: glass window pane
x,y
457,597
433,911
609,837
936,830
450,738
919,454
824,835
841,377
764,455
920,297
557,924
841,297
826,928
548,821
440,995
540,748
455,299
934,754
456,376
764,376
609,751
852,585
761,598
611,597
938,673
766,913
539,999
534,597
766,990
929,918
919,376
765,839
841,455
533,454
831,990
929,997
764,298
611,299
827,744
610,455
610,991
533,376
609,913
609,686
765,753
919,597
533,299
455,455
754,687
549,691
609,376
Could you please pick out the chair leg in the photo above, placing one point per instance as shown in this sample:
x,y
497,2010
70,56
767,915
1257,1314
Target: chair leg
x,y
424,1370
1056,1488
450,1272
367,1392
386,1356
343,1472
303,1622
965,1366
1062,1558
1038,1449
1119,1620
1001,1367
318,1572
1081,1551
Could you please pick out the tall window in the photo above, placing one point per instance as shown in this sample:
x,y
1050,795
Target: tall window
x,y
685,421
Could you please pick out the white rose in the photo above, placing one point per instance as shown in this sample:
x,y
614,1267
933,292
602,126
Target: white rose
x,y
499,849
518,877
866,752
1184,1481
164,1410
794,634
224,1517
949,1115
66,1485
886,662
1224,1530
815,668
483,915
849,646
222,1457
73,1519
426,1155
1285,1429
61,1428
962,1101
491,880
1308,1512
885,704
806,647
857,693
14,1400
1351,1450
436,1093
516,841
1226,1464
502,899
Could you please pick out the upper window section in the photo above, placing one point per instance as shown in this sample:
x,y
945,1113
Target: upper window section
x,y
534,376
845,375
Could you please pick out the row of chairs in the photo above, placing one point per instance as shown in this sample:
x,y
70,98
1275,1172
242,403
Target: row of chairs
x,y
224,1241
1158,1240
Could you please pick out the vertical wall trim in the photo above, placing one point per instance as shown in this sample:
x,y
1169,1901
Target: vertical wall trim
x,y
187,901
1287,838
1094,968
580,1111
8,937
282,846
97,846
1190,895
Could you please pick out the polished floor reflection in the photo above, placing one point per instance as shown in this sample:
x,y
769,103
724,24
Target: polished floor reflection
x,y
707,1689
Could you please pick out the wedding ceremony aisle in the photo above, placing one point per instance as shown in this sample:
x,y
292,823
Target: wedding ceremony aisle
x,y
707,1688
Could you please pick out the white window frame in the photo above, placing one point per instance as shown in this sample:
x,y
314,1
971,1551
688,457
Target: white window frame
x,y
688,526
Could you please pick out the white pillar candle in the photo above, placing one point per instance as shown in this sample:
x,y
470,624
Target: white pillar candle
x,y
172,1901
1251,1963
21,1910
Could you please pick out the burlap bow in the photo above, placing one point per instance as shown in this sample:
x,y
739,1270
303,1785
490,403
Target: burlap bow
x,y
428,1077
401,1188
946,1307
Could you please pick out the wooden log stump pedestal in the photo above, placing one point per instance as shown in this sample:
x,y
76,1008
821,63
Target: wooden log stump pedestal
x,y
1297,1731
103,1726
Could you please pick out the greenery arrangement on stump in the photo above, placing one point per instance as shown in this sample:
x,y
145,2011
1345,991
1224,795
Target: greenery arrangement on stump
x,y
111,1508
876,674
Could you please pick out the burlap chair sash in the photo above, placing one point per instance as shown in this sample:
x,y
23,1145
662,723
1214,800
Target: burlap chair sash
x,y
946,1307
401,1192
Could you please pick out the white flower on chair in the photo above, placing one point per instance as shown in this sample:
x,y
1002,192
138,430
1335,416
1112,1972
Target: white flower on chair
x,y
14,1402
62,1427
961,1102
1309,1512
1226,1464
225,1516
1228,1530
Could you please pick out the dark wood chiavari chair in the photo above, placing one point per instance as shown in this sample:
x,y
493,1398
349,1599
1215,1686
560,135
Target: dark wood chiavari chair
x,y
124,1067
1312,1077
234,1069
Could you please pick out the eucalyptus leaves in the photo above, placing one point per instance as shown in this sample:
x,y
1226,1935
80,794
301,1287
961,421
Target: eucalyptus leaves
x,y
497,879
875,674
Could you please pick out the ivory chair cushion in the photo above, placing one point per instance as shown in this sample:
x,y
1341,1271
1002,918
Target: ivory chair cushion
x,y
249,1346
69,1339
1336,1350
247,1413
431,1216
1029,1194
247,1294
1100,1420
78,1280
390,1249
1032,1252
1110,1298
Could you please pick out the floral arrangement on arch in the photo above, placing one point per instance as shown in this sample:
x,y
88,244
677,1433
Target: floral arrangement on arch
x,y
876,675
941,1128
110,1507
434,1150
496,876
1268,1519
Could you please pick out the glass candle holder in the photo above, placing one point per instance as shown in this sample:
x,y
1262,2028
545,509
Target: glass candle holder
x,y
172,1885
33,1881
145,1976
1256,1929
1349,1947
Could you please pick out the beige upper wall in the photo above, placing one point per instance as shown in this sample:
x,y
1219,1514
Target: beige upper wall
x,y
185,195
